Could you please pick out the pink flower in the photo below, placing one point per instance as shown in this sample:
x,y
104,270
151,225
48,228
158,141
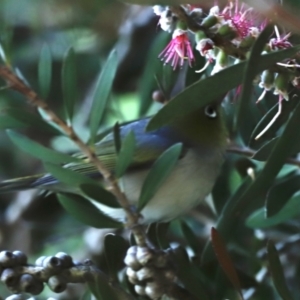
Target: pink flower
x,y
240,17
280,42
178,50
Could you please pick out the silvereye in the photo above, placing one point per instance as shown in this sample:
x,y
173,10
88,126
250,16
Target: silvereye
x,y
204,139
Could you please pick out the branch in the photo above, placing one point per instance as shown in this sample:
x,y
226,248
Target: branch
x,y
32,97
250,153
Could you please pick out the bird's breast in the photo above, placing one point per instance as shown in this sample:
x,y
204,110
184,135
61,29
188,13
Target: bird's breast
x,y
189,182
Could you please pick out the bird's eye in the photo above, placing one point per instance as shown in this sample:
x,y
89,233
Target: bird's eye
x,y
210,112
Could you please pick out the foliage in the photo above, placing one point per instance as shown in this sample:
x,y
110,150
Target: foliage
x,y
76,60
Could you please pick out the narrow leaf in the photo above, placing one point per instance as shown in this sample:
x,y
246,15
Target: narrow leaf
x,y
102,289
102,92
287,108
39,151
99,194
225,260
154,66
20,118
115,250
84,211
238,205
277,273
126,154
250,73
225,80
290,210
69,82
45,71
264,152
158,173
190,237
189,275
280,194
86,296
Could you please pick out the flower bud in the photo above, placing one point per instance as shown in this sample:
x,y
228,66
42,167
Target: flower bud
x,y
153,290
281,84
20,257
267,80
247,42
140,290
52,262
29,284
204,45
57,284
209,21
7,259
145,273
144,255
196,13
10,277
131,261
40,260
221,62
66,260
131,274
227,31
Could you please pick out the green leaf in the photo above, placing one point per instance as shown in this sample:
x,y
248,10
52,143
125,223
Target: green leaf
x,y
115,251
86,296
290,210
190,236
69,82
213,87
279,195
20,118
158,173
39,151
67,176
251,70
126,154
189,275
7,121
99,194
238,205
277,273
84,211
153,66
287,108
102,92
264,152
45,71
225,260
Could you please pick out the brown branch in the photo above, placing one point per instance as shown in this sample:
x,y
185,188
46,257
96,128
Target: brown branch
x,y
32,97
236,149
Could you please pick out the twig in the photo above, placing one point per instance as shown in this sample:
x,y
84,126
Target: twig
x,y
17,84
250,153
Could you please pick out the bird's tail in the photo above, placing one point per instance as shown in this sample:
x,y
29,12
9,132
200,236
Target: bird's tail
x,y
18,184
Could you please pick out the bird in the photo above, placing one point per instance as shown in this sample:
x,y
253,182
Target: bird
x,y
203,136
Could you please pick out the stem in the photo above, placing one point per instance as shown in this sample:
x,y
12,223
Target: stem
x,y
32,97
236,149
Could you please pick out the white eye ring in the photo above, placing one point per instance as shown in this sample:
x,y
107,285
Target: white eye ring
x,y
210,112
